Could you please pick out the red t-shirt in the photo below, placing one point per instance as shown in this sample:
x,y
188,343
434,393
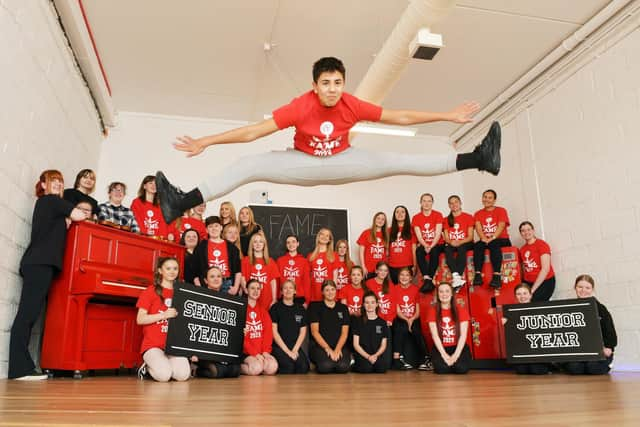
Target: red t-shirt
x,y
460,229
406,299
341,274
188,224
353,296
155,334
401,250
447,329
386,302
149,218
532,260
427,225
321,270
374,252
218,256
264,274
297,269
259,336
489,221
324,131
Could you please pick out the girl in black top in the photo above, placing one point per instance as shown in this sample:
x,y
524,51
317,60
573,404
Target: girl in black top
x,y
40,263
329,322
289,331
248,227
83,186
370,338
190,239
584,286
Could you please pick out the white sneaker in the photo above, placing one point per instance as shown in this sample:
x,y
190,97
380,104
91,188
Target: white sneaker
x,y
32,377
457,280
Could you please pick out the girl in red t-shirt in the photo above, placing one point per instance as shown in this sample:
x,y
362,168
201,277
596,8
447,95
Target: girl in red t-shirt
x,y
458,237
491,225
154,311
321,261
342,266
402,243
449,325
258,336
382,286
535,256
427,226
146,209
352,293
374,244
257,265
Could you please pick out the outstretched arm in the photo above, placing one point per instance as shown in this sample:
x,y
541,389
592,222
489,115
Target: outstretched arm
x,y
461,114
193,147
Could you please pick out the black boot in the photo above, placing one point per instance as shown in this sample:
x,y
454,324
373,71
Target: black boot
x,y
173,201
486,156
427,286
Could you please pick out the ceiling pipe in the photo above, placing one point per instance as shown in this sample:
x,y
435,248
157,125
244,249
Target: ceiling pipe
x,y
463,133
393,58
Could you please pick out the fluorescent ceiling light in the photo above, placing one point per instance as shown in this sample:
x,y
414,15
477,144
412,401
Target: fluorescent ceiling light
x,y
384,130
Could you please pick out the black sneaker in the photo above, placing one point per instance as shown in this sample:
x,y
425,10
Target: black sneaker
x,y
397,365
427,286
426,365
489,150
496,283
477,280
405,365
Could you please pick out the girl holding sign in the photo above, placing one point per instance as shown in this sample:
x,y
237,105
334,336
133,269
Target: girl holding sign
x,y
289,331
449,325
154,312
584,286
258,336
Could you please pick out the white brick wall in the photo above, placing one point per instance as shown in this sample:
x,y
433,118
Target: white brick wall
x,y
47,120
584,139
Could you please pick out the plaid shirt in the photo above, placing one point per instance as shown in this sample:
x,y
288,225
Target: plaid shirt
x,y
120,215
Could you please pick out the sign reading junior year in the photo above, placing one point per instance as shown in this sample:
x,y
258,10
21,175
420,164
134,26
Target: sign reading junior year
x,y
553,331
209,324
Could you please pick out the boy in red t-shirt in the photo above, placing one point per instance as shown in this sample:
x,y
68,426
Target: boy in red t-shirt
x,y
323,119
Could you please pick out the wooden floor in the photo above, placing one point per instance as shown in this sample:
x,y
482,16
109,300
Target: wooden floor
x,y
396,398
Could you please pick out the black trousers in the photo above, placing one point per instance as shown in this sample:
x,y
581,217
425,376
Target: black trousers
x,y
401,333
36,281
495,253
287,365
456,257
363,366
393,272
209,369
428,268
544,291
462,365
324,364
598,367
532,368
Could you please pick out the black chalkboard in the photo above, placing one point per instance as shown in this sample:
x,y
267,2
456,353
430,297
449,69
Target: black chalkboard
x,y
553,331
280,221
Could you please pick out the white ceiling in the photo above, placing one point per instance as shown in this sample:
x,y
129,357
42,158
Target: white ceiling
x,y
205,58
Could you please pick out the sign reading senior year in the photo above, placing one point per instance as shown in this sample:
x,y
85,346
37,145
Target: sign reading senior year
x,y
553,331
209,324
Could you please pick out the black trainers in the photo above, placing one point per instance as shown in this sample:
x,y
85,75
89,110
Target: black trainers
x,y
489,150
496,283
427,286
405,366
427,365
477,280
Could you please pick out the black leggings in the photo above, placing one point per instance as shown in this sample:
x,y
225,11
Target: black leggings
x,y
287,365
324,364
36,280
457,257
544,291
401,333
462,365
428,268
363,366
532,368
495,254
598,367
209,369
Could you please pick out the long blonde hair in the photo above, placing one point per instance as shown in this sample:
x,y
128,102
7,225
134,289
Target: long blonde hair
x,y
251,226
316,251
347,256
384,230
232,209
237,242
265,251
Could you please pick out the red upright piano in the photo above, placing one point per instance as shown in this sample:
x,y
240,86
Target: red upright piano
x,y
91,315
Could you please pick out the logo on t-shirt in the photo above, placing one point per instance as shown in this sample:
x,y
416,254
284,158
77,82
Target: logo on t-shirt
x,y
489,227
384,303
319,272
448,331
298,318
254,327
428,234
340,316
528,263
216,261
406,308
355,307
456,233
259,275
377,249
378,329
151,224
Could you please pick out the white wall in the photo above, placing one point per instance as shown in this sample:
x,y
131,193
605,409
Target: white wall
x,y
47,120
571,166
147,141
